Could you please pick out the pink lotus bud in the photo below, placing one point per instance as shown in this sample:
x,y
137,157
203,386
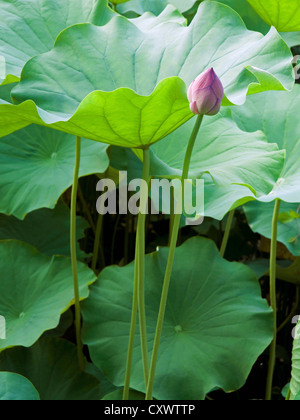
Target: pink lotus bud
x,y
206,93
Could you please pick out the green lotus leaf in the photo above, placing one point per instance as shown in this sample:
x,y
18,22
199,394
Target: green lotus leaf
x,y
222,327
155,6
295,381
109,83
283,14
259,216
276,114
52,367
37,166
30,27
34,290
47,230
15,387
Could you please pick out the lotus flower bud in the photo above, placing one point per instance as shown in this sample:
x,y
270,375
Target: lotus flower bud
x,y
206,93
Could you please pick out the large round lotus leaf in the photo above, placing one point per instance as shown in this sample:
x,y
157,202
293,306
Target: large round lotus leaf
x,y
47,230
277,115
15,387
109,83
295,382
214,329
30,27
283,14
155,6
52,367
34,290
37,166
255,165
259,216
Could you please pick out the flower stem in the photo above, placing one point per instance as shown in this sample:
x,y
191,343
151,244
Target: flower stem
x,y
168,273
226,233
97,242
73,244
273,298
139,280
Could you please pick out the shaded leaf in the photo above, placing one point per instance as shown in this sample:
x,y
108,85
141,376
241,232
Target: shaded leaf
x,y
37,166
34,291
240,165
47,230
221,326
52,367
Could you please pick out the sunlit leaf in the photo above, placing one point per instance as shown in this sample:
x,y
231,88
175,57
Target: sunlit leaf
x,y
47,230
283,14
94,82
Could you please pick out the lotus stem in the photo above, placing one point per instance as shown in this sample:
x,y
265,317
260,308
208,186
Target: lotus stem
x,y
273,298
227,233
73,243
139,280
168,273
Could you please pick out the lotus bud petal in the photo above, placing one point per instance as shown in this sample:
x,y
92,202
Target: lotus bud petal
x,y
205,94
